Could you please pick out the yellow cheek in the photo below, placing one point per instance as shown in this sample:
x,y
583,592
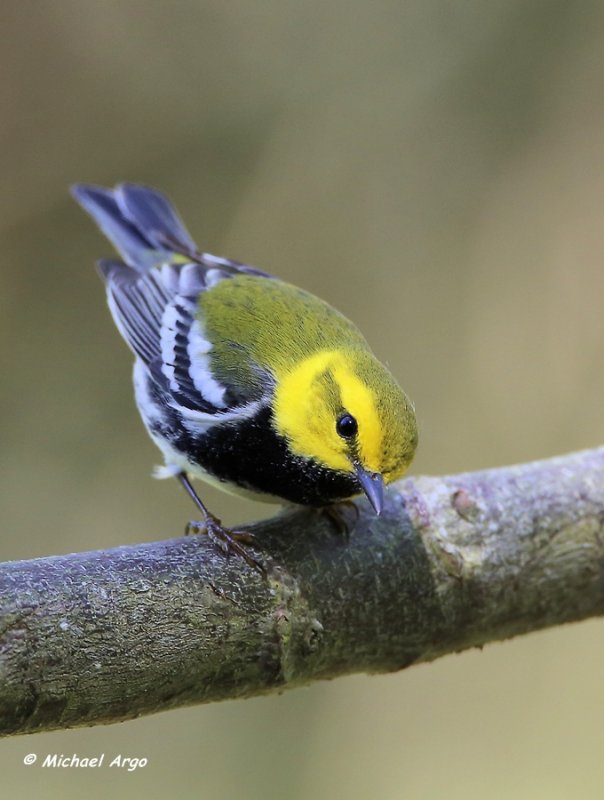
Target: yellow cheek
x,y
395,474
303,418
359,400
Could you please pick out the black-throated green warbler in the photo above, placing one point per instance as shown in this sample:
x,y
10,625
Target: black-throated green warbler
x,y
241,379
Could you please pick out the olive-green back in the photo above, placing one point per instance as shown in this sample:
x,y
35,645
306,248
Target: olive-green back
x,y
260,327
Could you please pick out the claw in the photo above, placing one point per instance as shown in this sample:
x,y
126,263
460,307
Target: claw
x,y
337,515
225,540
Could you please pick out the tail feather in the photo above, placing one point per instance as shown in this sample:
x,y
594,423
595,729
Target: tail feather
x,y
140,222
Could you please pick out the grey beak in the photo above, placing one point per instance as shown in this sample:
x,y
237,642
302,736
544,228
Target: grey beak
x,y
372,483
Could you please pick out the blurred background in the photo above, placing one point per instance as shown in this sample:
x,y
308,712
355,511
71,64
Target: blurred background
x,y
433,169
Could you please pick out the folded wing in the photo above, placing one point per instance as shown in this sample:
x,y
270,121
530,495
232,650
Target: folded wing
x,y
153,293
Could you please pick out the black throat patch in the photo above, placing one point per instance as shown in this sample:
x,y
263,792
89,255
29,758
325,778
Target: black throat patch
x,y
251,454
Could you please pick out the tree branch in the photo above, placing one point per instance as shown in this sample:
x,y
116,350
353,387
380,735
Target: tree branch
x,y
452,563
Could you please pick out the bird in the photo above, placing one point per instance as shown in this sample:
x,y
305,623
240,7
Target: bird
x,y
242,379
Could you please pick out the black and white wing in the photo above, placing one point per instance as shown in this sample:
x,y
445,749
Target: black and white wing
x,y
153,293
155,313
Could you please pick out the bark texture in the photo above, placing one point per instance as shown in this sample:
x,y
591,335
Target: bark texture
x,y
451,563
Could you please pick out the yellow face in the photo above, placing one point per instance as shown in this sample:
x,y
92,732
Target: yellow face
x,y
315,401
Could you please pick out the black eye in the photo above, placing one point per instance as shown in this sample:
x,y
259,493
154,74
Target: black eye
x,y
347,426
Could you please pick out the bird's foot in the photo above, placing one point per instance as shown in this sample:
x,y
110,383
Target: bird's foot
x,y
226,540
337,515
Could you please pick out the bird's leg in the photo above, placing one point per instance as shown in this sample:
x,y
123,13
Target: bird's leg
x,y
226,540
336,514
